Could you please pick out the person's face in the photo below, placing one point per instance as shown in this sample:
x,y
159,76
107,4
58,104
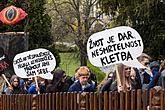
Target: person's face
x,y
83,80
110,76
63,78
76,76
15,82
127,71
145,62
132,74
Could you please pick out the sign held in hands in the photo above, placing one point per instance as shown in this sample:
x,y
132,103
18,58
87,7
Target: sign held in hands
x,y
38,62
117,45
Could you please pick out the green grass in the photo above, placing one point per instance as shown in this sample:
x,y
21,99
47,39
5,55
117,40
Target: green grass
x,y
70,61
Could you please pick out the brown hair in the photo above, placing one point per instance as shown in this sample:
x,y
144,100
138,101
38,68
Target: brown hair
x,y
83,71
142,56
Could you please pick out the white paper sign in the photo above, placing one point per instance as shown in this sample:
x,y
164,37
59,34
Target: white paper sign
x,y
117,45
38,62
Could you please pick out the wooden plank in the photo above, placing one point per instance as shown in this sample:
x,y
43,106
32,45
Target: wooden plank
x,y
1,105
87,101
29,102
75,101
71,98
61,100
116,100
11,103
95,101
161,100
100,101
122,101
105,101
64,101
49,101
91,100
53,101
127,100
79,101
110,100
150,98
40,102
133,99
139,97
8,101
25,103
16,102
144,99
45,101
57,101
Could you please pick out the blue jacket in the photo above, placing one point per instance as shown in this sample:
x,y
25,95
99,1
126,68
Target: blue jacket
x,y
76,87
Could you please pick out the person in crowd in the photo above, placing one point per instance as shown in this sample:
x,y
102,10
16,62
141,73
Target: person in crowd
x,y
23,85
82,85
2,85
126,82
71,80
33,89
107,82
145,73
161,81
15,86
135,77
58,84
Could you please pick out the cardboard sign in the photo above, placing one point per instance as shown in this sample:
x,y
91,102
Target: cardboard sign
x,y
38,62
117,45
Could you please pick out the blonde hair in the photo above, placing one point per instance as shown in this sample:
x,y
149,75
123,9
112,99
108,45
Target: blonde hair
x,y
142,56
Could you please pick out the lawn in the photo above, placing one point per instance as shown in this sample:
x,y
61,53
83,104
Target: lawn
x,y
70,61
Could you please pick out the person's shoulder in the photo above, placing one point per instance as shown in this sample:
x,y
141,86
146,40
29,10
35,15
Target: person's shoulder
x,y
74,87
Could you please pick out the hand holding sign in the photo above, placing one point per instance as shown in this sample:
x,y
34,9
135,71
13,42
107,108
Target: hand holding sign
x,y
118,45
38,62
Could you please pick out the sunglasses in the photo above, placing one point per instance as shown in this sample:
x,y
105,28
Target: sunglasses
x,y
147,63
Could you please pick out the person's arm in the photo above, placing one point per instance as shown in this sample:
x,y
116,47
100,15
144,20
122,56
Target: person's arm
x,y
154,81
9,91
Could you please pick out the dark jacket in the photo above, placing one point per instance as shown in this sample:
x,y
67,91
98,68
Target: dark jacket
x,y
106,86
76,87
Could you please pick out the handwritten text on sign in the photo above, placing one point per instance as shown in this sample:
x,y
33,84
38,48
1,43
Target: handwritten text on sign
x,y
118,45
34,63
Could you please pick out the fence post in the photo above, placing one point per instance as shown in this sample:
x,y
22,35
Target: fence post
x,y
1,102
34,102
82,101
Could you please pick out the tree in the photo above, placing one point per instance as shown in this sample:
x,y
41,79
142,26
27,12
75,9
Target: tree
x,y
77,17
146,16
37,24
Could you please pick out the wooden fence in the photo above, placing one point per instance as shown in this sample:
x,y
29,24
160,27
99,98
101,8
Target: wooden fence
x,y
133,100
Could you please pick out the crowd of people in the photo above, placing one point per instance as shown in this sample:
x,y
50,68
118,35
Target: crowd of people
x,y
124,79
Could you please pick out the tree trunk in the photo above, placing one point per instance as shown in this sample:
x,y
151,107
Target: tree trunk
x,y
83,58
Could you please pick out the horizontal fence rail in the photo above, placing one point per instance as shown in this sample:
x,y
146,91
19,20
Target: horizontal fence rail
x,y
132,100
